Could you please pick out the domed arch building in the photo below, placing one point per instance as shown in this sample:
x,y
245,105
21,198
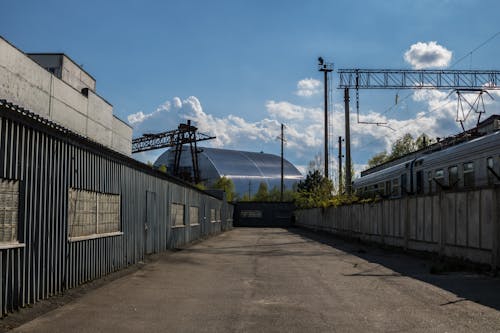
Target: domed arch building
x,y
246,169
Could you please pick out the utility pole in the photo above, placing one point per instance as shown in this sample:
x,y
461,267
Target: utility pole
x,y
326,68
282,138
340,164
348,175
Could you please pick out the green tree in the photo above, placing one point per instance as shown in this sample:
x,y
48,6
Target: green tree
x,y
275,194
201,186
403,146
262,193
378,159
162,168
422,141
314,191
227,185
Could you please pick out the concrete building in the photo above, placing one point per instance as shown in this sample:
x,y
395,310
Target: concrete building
x,y
55,87
246,169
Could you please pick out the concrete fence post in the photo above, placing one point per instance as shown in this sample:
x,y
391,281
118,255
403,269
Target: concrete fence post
x,y
407,223
495,246
382,221
442,227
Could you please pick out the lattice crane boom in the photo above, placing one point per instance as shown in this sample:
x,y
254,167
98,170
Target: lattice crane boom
x,y
184,134
168,139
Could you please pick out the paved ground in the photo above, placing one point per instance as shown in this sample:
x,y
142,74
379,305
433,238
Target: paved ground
x,y
277,280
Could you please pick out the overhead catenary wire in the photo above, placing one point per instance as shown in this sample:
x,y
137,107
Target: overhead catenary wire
x,y
485,42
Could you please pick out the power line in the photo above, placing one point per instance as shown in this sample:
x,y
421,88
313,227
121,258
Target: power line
x,y
476,48
453,65
425,113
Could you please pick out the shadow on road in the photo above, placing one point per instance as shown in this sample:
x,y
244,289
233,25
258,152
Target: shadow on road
x,y
466,285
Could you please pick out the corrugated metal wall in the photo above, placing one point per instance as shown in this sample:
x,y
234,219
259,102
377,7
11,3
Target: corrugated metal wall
x,y
47,164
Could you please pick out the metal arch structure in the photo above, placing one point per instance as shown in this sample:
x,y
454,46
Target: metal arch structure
x,y
418,79
459,80
184,134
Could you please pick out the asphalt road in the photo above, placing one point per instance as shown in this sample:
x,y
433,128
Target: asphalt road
x,y
277,280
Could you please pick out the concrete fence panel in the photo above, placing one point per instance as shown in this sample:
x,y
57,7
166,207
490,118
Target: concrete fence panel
x,y
460,224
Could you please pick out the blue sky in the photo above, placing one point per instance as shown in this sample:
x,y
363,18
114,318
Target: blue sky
x,y
234,67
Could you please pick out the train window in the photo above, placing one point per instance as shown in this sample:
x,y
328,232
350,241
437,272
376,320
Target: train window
x,y
395,187
490,171
468,174
438,178
404,184
429,181
420,182
452,176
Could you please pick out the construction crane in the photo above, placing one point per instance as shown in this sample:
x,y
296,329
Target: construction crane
x,y
479,81
184,134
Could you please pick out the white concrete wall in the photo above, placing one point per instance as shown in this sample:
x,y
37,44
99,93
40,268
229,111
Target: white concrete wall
x,y
75,76
456,224
121,136
25,83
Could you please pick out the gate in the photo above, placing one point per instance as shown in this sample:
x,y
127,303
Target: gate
x,y
263,214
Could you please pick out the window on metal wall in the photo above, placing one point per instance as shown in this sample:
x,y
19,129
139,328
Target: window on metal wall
x,y
452,176
490,170
9,207
468,174
92,213
194,215
177,214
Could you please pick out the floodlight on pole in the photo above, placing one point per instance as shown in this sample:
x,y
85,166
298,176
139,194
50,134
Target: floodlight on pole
x,y
326,68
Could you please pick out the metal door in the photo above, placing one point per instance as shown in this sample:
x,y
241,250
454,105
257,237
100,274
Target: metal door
x,y
151,222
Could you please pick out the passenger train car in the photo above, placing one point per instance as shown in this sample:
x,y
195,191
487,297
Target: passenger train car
x,y
470,164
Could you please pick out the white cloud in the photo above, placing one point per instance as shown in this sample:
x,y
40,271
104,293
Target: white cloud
x,y
308,87
304,126
428,55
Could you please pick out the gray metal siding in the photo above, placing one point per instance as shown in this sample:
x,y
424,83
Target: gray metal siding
x,y
46,166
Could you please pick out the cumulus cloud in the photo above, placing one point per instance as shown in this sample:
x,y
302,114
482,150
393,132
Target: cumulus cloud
x,y
304,126
308,87
428,55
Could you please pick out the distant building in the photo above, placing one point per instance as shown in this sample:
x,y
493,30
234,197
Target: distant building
x,y
55,87
246,169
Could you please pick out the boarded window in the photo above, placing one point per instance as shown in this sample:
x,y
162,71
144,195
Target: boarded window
x,y
92,213
193,215
108,210
212,215
177,212
468,174
9,207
